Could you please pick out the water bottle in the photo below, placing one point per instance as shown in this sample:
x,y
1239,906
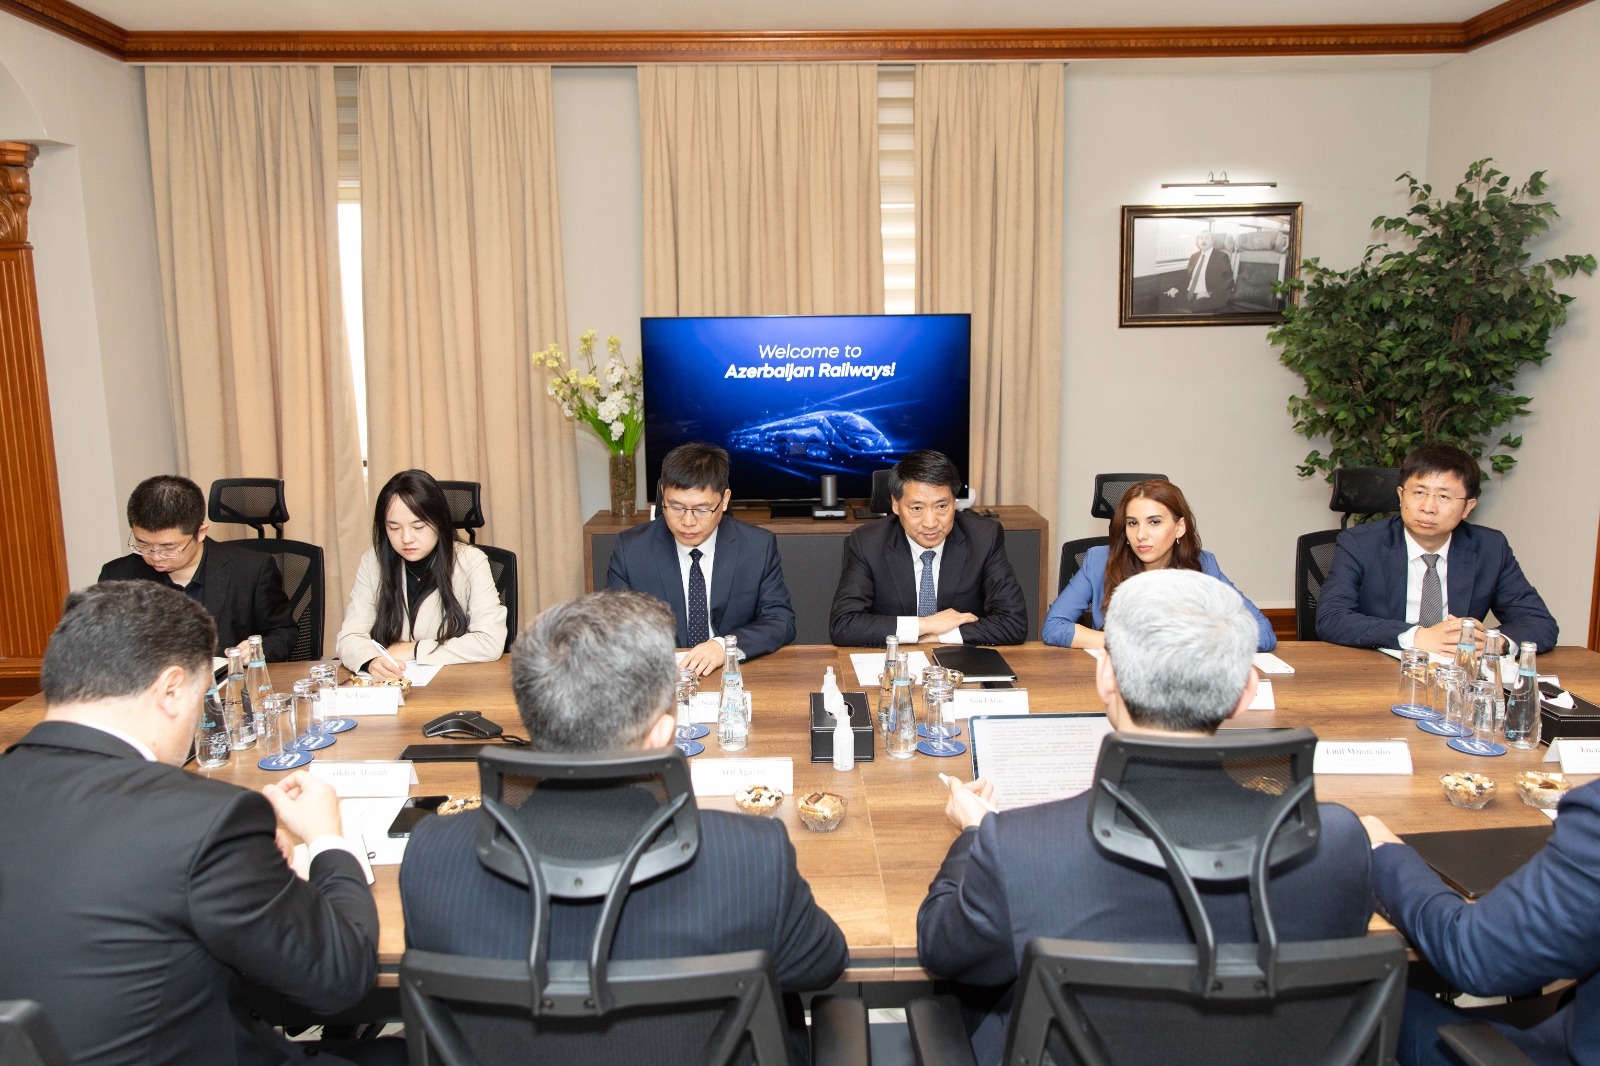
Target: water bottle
x,y
901,742
257,683
211,742
1493,643
844,740
235,708
730,668
1522,709
1467,649
733,723
891,651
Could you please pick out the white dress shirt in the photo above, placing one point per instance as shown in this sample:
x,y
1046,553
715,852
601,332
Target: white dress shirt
x,y
1416,570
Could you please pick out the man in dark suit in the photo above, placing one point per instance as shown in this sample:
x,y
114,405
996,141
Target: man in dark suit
x,y
590,675
133,895
1409,581
1535,927
1207,280
930,571
721,577
1178,661
242,589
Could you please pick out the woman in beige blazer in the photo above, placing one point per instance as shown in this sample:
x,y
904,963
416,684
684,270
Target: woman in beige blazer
x,y
419,594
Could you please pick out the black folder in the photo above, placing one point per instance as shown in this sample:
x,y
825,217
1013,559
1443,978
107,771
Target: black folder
x,y
977,664
1473,861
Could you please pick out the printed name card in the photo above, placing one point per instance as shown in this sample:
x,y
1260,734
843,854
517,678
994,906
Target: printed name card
x,y
367,778
724,777
971,701
348,701
1578,755
1362,757
1269,663
705,706
1264,698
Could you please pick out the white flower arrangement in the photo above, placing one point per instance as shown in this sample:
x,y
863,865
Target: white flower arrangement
x,y
614,408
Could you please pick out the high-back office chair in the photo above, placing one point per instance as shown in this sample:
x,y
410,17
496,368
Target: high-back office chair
x,y
466,506
1313,557
1364,490
1219,809
503,568
878,505
301,566
256,502
1072,553
1108,489
590,828
27,1038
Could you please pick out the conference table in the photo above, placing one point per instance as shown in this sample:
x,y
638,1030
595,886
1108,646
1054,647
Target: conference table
x,y
872,872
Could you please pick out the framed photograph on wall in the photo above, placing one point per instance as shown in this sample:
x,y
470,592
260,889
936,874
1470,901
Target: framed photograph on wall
x,y
1207,265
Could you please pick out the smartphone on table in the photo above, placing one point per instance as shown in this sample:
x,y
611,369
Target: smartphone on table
x,y
415,810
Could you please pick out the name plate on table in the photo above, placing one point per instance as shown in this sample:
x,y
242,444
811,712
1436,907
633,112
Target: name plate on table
x,y
1362,757
1577,755
724,777
705,706
350,701
366,778
969,701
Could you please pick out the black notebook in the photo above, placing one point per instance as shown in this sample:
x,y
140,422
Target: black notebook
x,y
1473,861
975,663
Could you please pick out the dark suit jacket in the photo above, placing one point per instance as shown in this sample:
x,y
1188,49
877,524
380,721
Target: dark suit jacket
x,y
133,895
1363,601
1535,926
243,593
747,597
877,584
1037,872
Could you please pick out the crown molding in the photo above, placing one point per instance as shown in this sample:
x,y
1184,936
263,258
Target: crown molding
x,y
876,46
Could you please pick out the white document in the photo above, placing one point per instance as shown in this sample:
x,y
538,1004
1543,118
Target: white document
x,y
350,701
971,701
1578,755
366,824
1269,663
376,778
419,674
705,706
1263,700
724,777
869,665
1037,758
1362,757
1095,653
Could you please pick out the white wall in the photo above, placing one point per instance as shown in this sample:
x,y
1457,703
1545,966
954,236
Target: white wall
x,y
1528,102
92,226
1207,405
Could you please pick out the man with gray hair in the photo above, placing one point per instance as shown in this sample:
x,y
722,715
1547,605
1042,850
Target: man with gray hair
x,y
591,675
1177,663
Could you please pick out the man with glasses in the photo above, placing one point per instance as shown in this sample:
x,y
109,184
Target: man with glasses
x,y
241,589
1409,581
721,577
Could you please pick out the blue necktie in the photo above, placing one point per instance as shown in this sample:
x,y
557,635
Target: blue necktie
x,y
927,601
699,616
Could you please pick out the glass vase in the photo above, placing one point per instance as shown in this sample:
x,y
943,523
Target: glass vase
x,y
624,479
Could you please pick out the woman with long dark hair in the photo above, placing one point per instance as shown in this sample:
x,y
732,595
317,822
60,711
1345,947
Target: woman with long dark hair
x,y
1152,529
419,593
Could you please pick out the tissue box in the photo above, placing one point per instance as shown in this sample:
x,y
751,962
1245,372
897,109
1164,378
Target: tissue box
x,y
863,724
1583,720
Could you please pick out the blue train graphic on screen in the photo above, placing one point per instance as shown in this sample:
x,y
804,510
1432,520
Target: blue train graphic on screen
x,y
820,436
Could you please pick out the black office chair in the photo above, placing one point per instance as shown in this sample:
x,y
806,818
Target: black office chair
x,y
1364,490
466,506
878,505
1216,809
590,828
256,502
1313,557
27,1038
301,567
503,568
1481,1044
1108,489
1072,553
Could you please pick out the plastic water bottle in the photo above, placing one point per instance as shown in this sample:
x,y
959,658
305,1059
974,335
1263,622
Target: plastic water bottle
x,y
891,651
1522,709
235,704
901,742
733,722
257,684
211,742
1467,649
1493,645
844,740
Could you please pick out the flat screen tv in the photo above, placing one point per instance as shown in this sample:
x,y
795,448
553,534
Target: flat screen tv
x,y
794,397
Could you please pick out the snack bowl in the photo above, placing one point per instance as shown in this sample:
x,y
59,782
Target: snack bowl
x,y
1541,788
758,799
821,811
1469,791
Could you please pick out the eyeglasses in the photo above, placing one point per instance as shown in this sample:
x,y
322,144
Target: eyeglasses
x,y
159,551
700,513
1419,495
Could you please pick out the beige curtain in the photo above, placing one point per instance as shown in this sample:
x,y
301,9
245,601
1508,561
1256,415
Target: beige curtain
x,y
462,282
243,163
761,189
989,140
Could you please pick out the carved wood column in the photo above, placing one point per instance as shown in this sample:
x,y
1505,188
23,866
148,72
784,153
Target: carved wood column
x,y
33,555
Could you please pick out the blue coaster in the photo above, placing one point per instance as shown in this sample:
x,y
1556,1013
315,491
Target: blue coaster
x,y
1477,746
1442,729
313,741
1416,711
954,748
698,731
691,748
289,760
338,725
922,730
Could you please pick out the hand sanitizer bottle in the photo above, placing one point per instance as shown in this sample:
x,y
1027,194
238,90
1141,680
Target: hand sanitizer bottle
x,y
844,741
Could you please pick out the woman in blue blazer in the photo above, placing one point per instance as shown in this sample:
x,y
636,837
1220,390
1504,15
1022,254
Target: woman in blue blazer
x,y
1153,528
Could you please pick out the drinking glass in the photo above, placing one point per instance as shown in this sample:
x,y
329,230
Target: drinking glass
x,y
1415,698
280,738
1482,697
308,716
1450,696
939,696
684,692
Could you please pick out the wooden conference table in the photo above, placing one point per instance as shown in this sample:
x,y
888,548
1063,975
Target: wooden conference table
x,y
873,871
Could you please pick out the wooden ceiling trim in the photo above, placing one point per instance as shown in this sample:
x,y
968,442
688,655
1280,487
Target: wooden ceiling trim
x,y
1511,16
72,22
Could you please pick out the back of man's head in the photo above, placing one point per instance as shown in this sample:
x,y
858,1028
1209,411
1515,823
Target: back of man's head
x,y
1180,644
167,502
695,466
116,637
595,673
